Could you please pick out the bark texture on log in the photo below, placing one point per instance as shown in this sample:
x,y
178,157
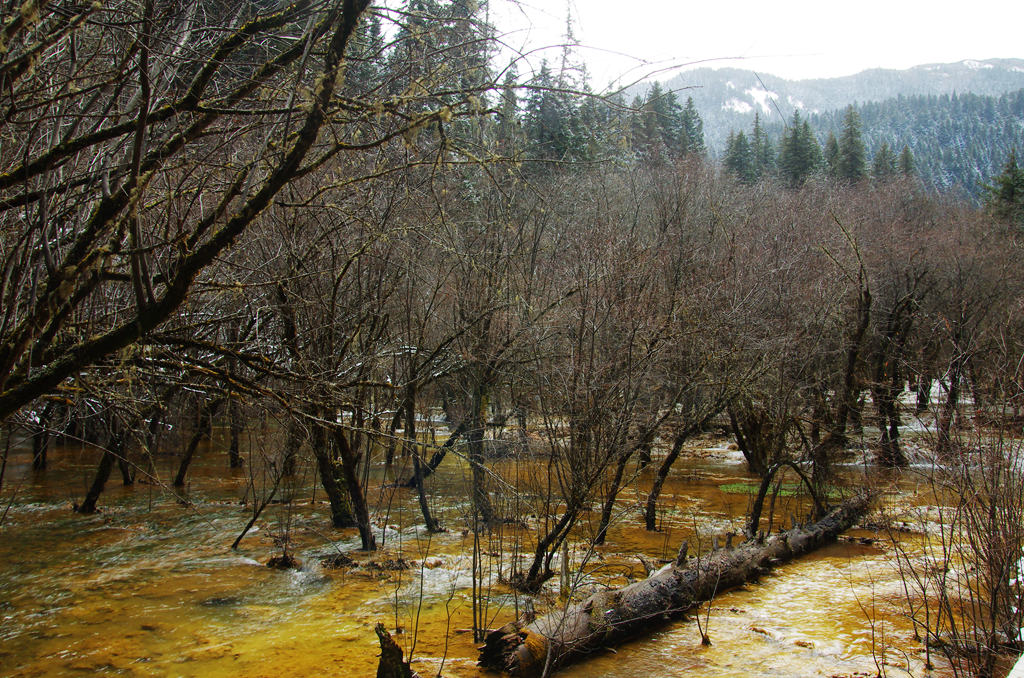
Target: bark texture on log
x,y
608,618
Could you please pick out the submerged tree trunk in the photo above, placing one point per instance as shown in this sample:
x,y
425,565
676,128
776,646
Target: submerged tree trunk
x,y
944,428
754,519
203,430
540,568
889,451
392,664
438,456
645,457
650,509
235,422
613,493
608,618
334,487
350,474
749,431
389,455
889,381
236,427
113,452
413,450
127,471
41,438
475,440
924,393
851,384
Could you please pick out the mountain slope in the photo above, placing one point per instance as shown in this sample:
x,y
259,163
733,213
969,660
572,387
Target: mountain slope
x,y
959,141
728,97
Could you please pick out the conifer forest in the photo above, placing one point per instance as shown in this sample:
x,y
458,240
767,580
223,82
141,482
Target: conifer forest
x,y
336,338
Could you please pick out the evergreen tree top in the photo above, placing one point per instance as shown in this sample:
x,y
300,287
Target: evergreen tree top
x,y
1006,194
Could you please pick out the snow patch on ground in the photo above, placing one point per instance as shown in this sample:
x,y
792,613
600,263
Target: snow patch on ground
x,y
977,65
737,105
762,98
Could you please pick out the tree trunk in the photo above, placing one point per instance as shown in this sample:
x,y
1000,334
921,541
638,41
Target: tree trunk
x,y
235,423
414,451
350,472
391,664
205,429
645,458
41,438
613,493
293,443
438,456
236,427
650,510
114,451
540,568
886,396
750,445
889,380
754,519
609,618
944,426
389,455
341,509
475,440
924,390
428,518
851,386
127,471
152,441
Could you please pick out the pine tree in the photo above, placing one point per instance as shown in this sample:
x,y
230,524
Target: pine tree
x,y
905,164
363,72
852,161
789,168
509,130
617,125
761,145
832,156
883,166
1006,194
663,120
799,152
693,127
442,46
739,158
662,129
593,133
468,37
811,148
418,46
546,118
637,125
649,139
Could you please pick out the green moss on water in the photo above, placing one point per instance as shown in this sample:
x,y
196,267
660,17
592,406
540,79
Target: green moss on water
x,y
786,490
751,488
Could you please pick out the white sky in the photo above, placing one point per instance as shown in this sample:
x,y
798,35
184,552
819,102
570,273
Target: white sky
x,y
794,39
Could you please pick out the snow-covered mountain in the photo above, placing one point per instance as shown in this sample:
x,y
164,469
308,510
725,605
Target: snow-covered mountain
x,y
728,97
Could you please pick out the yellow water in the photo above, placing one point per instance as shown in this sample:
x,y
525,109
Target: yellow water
x,y
150,586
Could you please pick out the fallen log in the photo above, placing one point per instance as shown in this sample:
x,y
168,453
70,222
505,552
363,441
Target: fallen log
x,y
608,618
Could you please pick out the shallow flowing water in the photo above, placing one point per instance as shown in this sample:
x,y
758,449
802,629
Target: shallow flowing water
x,y
150,587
